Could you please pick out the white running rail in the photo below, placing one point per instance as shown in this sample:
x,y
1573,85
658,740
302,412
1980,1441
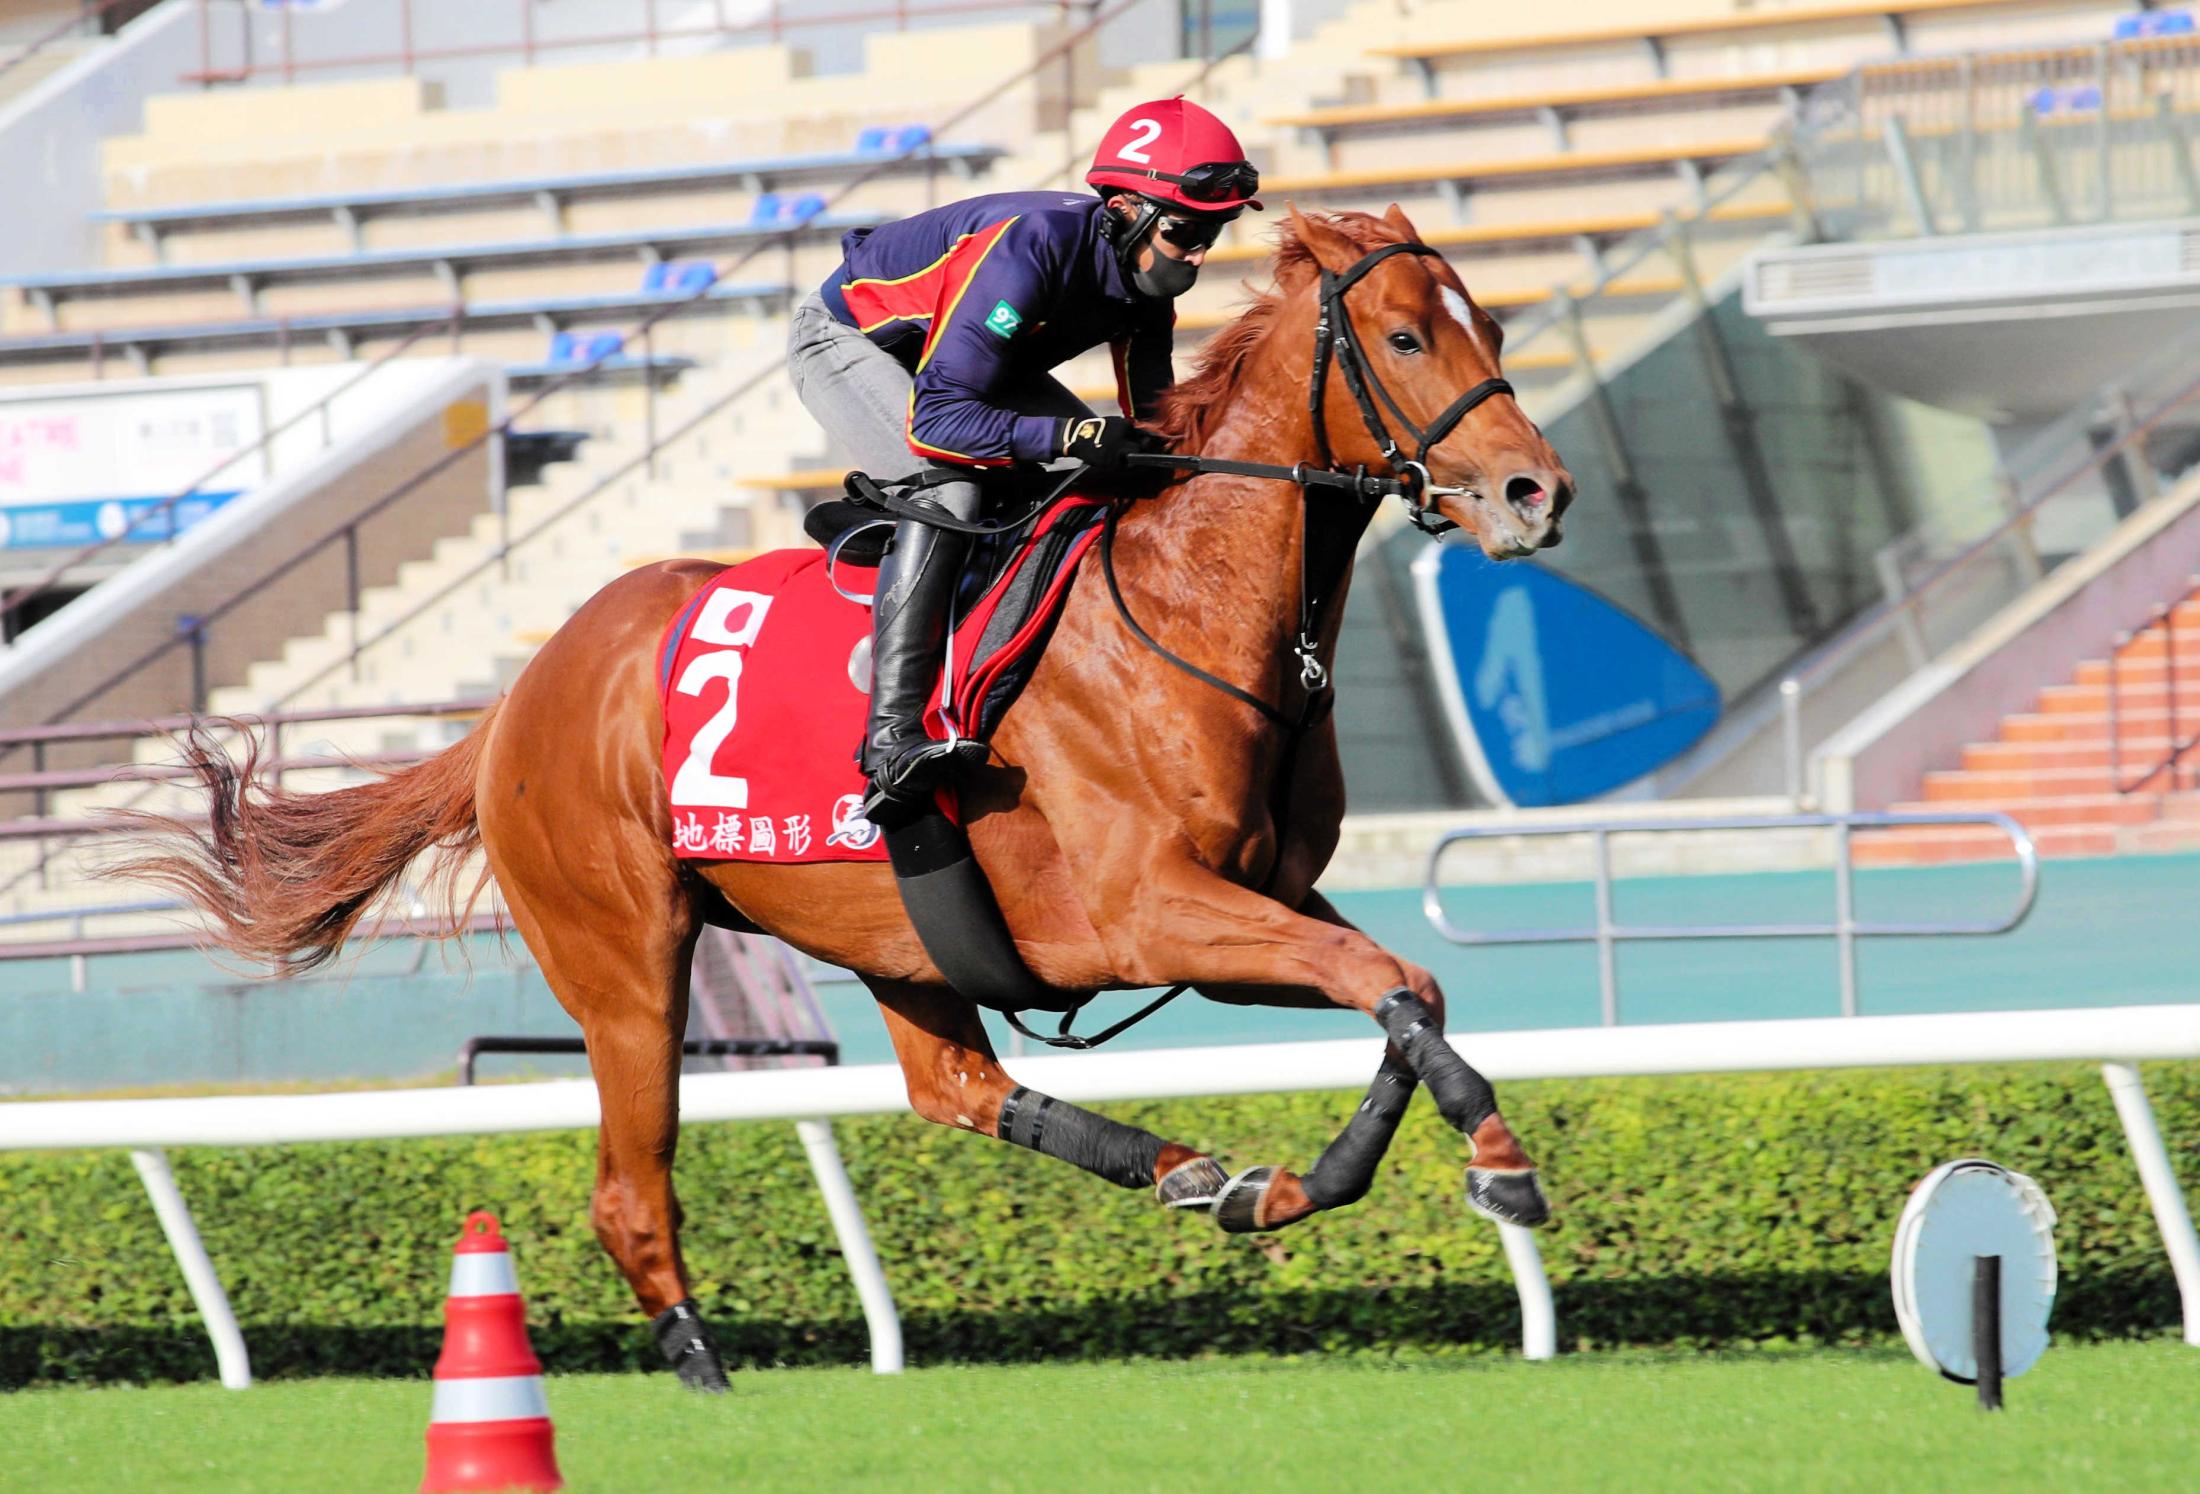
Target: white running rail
x,y
2117,1037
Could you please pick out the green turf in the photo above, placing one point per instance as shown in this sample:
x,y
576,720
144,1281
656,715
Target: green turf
x,y
2097,1416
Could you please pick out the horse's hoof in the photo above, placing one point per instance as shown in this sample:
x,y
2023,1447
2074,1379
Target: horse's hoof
x,y
686,1345
1511,1196
1241,1206
1192,1185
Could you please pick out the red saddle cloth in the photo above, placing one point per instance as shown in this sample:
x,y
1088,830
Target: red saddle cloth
x,y
766,675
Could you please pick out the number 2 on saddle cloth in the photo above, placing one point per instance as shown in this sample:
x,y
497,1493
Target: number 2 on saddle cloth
x,y
765,679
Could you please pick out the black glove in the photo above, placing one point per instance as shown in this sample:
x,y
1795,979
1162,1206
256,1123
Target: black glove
x,y
1102,441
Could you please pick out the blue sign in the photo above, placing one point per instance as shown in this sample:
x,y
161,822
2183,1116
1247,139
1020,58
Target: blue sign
x,y
1555,695
85,521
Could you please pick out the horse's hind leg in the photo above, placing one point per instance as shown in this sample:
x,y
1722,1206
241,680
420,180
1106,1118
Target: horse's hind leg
x,y
617,957
955,1079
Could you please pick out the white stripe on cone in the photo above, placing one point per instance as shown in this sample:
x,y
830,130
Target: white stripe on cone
x,y
483,1273
504,1398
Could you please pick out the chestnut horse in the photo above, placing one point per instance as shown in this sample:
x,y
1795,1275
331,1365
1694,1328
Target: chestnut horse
x,y
1131,820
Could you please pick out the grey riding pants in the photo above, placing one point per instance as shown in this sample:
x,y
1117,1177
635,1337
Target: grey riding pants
x,y
860,394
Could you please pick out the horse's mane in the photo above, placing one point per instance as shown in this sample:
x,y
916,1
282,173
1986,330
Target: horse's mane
x,y
1192,409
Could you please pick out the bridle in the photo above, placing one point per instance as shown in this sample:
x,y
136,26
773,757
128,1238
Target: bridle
x,y
1337,340
1335,336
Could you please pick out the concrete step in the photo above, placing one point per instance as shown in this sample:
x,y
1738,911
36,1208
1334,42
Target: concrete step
x,y
1934,845
2148,681
1996,787
2164,835
2153,642
1994,757
2183,808
2094,811
2084,726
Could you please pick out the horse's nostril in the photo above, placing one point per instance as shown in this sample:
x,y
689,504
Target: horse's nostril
x,y
1524,491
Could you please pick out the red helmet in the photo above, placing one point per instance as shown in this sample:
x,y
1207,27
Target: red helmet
x,y
1173,151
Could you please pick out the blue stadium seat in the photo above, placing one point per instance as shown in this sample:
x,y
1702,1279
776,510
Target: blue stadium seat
x,y
805,207
892,139
679,276
766,209
585,347
2073,98
2149,23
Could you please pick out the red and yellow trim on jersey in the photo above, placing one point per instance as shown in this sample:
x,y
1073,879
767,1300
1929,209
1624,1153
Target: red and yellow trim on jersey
x,y
949,279
941,452
920,295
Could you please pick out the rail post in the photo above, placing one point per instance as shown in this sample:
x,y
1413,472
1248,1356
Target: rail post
x,y
1904,161
1791,739
198,1270
2164,1195
855,1245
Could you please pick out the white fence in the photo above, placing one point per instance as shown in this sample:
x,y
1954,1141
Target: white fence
x,y
2118,1037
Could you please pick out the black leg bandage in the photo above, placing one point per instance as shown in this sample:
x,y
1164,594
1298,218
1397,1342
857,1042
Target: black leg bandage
x,y
1347,1166
1124,1155
687,1347
1464,1097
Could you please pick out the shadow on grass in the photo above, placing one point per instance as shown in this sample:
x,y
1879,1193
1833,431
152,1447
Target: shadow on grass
x,y
1689,1314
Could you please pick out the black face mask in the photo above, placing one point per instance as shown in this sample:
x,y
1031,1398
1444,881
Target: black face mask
x,y
1168,279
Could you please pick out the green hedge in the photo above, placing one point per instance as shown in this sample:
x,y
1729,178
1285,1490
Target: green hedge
x,y
1731,1212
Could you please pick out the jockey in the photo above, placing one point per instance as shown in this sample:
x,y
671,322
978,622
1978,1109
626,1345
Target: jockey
x,y
937,334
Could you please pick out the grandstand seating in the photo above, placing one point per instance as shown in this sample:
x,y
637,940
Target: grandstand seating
x,y
1526,156
252,280
351,213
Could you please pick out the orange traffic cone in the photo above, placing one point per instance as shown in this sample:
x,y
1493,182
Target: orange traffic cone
x,y
490,1427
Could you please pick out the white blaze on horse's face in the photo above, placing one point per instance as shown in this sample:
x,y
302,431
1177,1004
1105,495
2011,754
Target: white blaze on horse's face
x,y
1456,304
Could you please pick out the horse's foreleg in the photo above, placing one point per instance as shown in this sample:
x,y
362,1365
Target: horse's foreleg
x,y
956,1080
1272,1197
1180,921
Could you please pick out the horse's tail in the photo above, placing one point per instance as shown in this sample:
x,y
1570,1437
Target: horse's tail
x,y
283,877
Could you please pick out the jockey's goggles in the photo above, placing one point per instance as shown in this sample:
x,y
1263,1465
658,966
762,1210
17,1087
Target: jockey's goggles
x,y
1214,181
1191,234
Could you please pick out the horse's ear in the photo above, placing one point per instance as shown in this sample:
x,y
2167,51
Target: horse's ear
x,y
1329,247
1398,220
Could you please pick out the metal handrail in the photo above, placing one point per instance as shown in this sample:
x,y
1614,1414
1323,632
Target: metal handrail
x,y
713,1047
1845,929
429,928
529,46
98,731
2165,617
78,915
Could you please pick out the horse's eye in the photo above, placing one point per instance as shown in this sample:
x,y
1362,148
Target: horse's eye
x,y
1405,342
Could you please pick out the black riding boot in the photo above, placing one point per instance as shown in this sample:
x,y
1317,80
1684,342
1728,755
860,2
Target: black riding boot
x,y
909,624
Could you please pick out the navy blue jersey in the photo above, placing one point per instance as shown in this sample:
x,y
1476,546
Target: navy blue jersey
x,y
980,294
